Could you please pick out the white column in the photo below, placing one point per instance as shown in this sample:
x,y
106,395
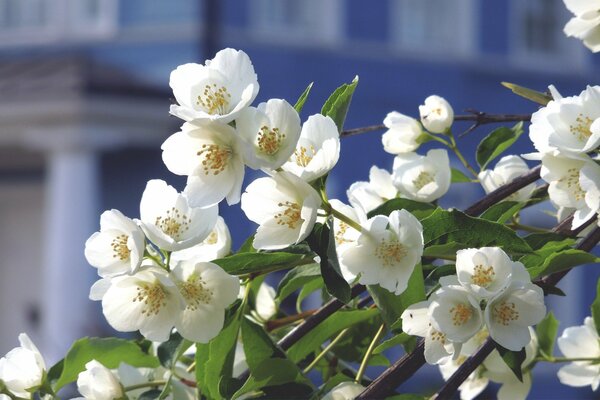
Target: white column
x,y
71,209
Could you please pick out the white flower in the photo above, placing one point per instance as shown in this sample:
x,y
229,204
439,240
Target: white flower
x,y
585,25
417,322
98,383
344,391
564,212
216,91
387,251
580,342
567,126
119,246
487,271
505,171
147,301
473,385
216,245
422,178
436,114
367,196
210,156
509,315
344,234
22,368
284,206
207,290
265,307
455,313
169,221
565,176
403,133
318,149
270,133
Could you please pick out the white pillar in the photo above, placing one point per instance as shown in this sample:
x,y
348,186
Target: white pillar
x,y
71,217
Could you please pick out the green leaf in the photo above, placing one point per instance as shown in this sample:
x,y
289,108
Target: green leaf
x,y
513,359
442,270
503,211
338,103
396,340
247,263
444,251
391,305
529,94
454,226
258,346
546,331
596,308
247,246
458,176
322,242
496,143
302,99
168,352
325,330
544,240
561,261
110,352
150,394
296,278
416,208
307,290
354,343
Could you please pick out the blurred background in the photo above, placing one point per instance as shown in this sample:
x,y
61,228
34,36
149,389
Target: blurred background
x,y
84,109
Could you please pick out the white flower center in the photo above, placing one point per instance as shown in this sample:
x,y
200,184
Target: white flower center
x,y
304,155
269,140
505,312
195,293
215,158
581,128
212,238
437,336
483,276
214,99
423,179
153,296
290,215
119,247
390,252
572,182
461,314
174,223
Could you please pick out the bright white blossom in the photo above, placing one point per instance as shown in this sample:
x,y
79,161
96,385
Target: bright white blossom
x,y
119,246
344,391
169,221
207,290
216,91
580,342
455,312
509,315
367,196
437,114
568,126
98,383
585,25
210,156
403,134
473,385
318,149
216,245
505,171
422,178
270,133
284,206
22,368
265,307
386,251
345,235
486,271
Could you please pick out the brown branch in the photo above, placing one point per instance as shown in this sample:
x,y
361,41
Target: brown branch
x,y
278,323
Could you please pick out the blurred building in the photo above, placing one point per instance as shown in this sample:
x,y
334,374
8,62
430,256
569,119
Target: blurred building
x,y
85,98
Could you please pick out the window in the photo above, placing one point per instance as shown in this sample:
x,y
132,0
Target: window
x,y
307,20
433,26
42,21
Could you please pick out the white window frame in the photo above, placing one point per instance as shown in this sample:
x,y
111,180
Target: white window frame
x,y
465,30
328,20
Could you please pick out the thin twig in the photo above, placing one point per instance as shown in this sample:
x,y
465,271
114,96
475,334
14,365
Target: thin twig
x,y
278,323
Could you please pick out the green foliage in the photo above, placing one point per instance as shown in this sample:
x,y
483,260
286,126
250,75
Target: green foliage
x,y
418,209
595,307
302,99
110,352
322,241
503,211
297,278
529,94
443,227
557,261
496,143
338,103
546,332
169,352
513,359
353,346
457,176
248,263
397,340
